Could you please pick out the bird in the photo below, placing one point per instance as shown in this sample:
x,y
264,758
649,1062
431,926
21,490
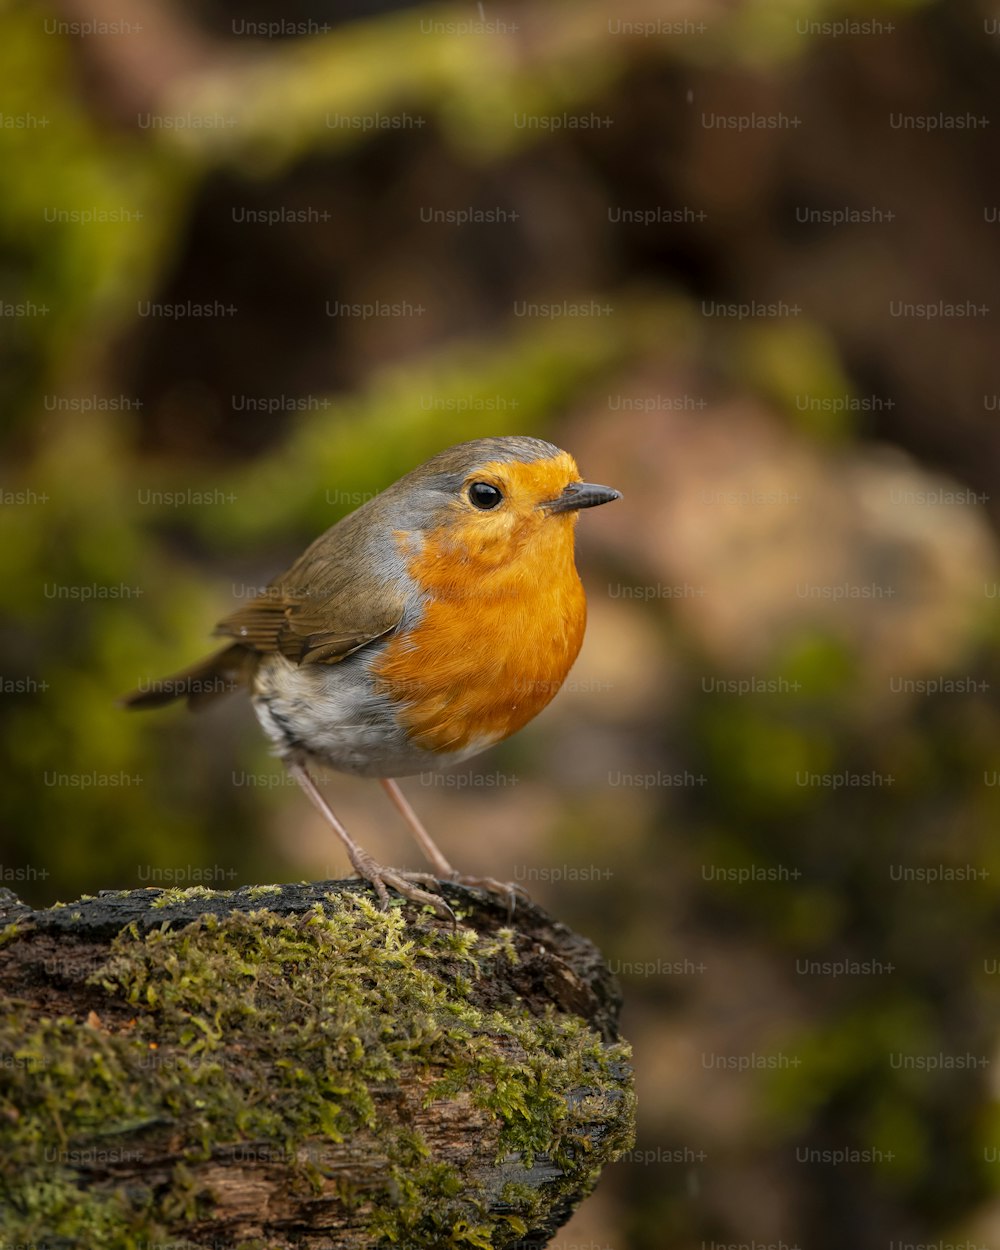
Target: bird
x,y
430,623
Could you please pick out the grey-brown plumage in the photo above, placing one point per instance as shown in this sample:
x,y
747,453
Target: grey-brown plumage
x,y
328,604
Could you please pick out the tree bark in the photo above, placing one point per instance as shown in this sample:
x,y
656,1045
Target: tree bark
x,y
288,1066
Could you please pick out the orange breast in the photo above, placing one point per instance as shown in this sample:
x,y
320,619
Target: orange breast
x,y
494,643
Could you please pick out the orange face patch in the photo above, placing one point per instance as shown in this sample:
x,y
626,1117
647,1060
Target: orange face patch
x,y
505,614
510,532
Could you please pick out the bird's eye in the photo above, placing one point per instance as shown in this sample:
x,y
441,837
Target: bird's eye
x,y
484,496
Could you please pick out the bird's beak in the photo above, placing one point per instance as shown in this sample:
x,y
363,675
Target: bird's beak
x,y
581,495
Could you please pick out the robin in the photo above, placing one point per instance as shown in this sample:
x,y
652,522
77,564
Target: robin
x,y
435,620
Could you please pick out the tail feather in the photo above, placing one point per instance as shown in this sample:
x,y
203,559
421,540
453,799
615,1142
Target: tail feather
x,y
203,682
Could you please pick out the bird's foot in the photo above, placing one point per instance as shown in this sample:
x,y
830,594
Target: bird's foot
x,y
404,883
507,890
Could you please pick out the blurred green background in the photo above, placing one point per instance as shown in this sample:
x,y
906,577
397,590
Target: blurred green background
x,y
771,788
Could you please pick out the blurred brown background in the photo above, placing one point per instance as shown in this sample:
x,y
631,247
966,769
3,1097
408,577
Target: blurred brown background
x,y
742,260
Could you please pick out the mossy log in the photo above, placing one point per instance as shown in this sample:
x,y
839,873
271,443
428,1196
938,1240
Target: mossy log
x,y
284,1066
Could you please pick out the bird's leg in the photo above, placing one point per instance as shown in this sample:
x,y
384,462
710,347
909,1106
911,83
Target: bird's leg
x,y
363,864
424,840
507,889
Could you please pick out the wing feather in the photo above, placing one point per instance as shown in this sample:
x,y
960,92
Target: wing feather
x,y
328,605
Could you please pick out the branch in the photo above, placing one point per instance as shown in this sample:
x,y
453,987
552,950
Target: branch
x,y
287,1065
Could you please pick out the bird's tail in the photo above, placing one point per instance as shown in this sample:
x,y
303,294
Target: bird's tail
x,y
213,677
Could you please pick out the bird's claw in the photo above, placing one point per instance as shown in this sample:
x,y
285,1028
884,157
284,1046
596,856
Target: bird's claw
x,y
404,883
509,891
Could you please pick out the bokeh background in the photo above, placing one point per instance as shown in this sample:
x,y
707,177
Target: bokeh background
x,y
742,260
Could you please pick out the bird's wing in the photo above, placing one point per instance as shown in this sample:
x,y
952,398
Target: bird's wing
x,y
329,604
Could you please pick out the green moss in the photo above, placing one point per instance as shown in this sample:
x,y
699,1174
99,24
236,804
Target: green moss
x,y
259,891
175,895
427,1211
320,1011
